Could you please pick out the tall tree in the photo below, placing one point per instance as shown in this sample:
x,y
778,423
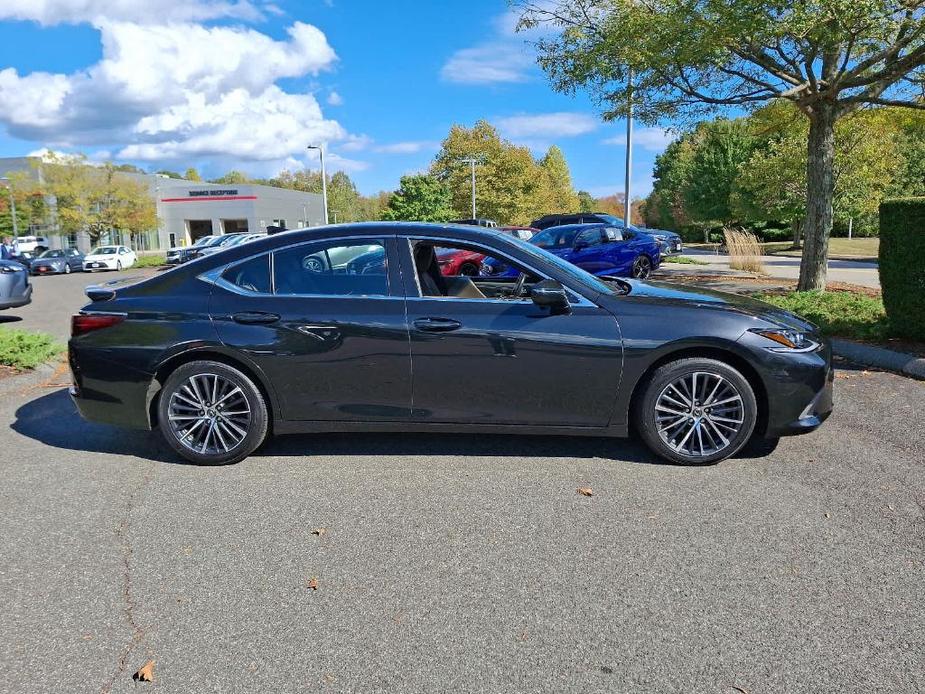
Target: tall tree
x,y
725,146
825,57
562,196
421,198
231,178
192,174
585,201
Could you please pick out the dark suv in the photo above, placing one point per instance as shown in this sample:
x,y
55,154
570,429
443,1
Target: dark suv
x,y
555,220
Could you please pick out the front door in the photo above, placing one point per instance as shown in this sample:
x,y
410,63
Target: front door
x,y
490,360
328,330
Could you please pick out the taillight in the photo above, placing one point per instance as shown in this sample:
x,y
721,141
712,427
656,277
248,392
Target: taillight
x,y
83,323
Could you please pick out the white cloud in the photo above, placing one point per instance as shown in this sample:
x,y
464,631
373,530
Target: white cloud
x,y
655,139
335,99
178,90
561,124
412,147
356,143
493,62
50,12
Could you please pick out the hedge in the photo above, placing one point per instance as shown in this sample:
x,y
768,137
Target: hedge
x,y
902,265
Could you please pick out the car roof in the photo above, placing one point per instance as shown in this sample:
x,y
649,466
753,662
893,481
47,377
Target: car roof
x,y
583,225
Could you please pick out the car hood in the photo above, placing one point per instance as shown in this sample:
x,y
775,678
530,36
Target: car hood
x,y
713,299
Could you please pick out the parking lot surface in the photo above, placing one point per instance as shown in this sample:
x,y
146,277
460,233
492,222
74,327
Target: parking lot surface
x,y
463,563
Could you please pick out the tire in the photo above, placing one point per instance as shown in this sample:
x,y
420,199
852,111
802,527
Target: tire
x,y
694,434
642,267
118,266
468,270
67,269
178,417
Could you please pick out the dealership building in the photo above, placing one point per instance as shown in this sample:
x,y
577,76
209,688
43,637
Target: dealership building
x,y
189,210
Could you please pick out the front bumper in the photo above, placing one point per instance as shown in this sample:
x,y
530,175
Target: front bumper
x,y
16,299
99,265
813,415
46,269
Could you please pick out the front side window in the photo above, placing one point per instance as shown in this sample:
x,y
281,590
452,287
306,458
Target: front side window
x,y
332,268
589,237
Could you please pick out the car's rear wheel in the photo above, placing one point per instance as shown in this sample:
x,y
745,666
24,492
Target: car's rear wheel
x,y
642,267
696,411
212,414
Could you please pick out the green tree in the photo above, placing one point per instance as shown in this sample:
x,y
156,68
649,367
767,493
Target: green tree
x,y
827,58
231,178
724,146
667,208
192,175
167,173
421,198
562,197
511,187
372,207
585,201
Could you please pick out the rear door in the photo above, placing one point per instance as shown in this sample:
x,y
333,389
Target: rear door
x,y
325,321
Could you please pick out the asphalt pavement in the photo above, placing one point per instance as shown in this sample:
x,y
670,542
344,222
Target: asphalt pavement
x,y
460,563
858,272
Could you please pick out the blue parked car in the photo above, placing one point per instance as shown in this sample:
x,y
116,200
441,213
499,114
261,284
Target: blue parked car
x,y
601,249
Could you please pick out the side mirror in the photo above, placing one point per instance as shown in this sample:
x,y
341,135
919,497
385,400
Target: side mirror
x,y
550,293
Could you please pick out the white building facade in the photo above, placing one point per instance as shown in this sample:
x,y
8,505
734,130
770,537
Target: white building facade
x,y
189,210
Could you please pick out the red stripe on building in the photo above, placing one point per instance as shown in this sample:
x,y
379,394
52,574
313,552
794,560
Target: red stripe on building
x,y
214,197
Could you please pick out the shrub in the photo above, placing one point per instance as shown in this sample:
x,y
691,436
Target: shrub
x,y
744,251
25,350
902,272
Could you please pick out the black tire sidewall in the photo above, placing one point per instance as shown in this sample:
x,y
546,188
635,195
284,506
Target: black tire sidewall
x,y
644,415
259,414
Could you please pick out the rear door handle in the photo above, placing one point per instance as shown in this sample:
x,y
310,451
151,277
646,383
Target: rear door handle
x,y
437,325
255,318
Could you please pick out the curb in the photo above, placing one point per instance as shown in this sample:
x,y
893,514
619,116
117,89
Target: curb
x,y
868,355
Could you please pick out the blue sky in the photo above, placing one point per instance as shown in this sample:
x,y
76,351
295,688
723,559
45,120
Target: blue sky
x,y
221,84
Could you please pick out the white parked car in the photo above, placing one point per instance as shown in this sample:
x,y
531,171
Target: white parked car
x,y
31,244
109,258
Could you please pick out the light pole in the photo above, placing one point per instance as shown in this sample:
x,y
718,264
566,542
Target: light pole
x,y
324,180
628,209
472,162
9,185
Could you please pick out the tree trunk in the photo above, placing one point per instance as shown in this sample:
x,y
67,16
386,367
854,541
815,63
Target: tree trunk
x,y
797,226
820,190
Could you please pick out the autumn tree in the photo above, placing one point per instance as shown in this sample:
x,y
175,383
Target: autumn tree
x,y
420,198
562,196
192,174
680,59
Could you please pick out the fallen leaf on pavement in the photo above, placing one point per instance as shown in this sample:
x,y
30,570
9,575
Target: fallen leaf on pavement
x,y
313,584
739,689
319,531
145,673
586,491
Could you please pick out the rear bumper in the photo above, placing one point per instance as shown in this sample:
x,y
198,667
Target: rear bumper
x,y
16,301
102,396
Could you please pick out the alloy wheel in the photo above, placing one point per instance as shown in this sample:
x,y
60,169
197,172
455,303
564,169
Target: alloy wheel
x,y
67,269
641,267
699,414
209,414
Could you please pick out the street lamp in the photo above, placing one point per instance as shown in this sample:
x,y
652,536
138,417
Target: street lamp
x,y
324,180
628,209
472,162
9,186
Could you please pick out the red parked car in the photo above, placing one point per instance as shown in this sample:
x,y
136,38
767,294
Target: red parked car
x,y
467,263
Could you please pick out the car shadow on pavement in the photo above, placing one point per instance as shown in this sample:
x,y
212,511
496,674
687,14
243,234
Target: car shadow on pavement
x,y
52,420
10,319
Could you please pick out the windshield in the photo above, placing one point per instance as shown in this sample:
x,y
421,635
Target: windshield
x,y
105,250
586,279
52,254
205,240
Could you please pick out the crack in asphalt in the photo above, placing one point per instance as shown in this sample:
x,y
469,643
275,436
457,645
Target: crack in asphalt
x,y
128,601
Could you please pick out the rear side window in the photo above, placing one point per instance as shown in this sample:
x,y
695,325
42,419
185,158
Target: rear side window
x,y
252,275
332,268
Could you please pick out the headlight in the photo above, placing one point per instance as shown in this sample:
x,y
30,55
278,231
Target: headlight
x,y
788,340
7,270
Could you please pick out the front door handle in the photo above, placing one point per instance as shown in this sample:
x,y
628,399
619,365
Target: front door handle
x,y
255,318
437,325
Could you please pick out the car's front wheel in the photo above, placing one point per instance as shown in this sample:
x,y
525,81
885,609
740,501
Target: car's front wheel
x,y
67,269
642,267
118,266
211,413
696,411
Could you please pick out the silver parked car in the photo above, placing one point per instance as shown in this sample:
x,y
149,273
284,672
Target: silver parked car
x,y
15,289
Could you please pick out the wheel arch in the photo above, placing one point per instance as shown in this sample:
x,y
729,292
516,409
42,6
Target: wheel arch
x,y
719,353
171,364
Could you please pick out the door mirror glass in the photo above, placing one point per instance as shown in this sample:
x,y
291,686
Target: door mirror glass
x,y
549,293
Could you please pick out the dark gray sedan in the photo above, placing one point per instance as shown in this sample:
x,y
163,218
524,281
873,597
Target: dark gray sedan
x,y
58,261
15,289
